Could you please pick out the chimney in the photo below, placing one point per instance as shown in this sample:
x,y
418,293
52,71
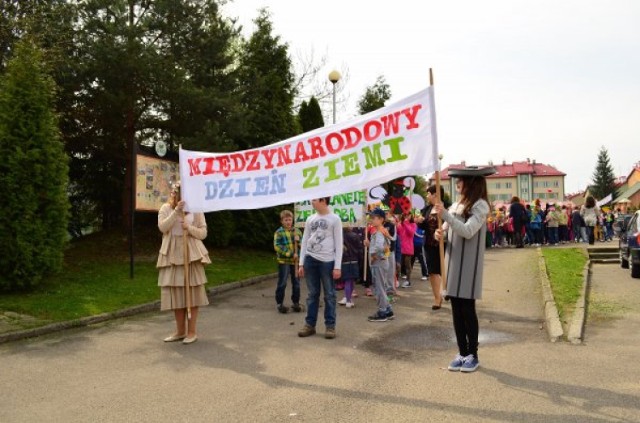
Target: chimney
x,y
504,163
528,160
464,164
534,161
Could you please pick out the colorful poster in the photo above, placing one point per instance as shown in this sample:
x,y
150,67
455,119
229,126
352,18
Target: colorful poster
x,y
371,149
350,207
153,182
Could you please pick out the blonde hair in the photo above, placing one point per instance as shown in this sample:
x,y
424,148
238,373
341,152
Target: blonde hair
x,y
286,213
173,199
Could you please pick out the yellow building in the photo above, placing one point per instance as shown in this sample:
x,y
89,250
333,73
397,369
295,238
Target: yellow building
x,y
527,180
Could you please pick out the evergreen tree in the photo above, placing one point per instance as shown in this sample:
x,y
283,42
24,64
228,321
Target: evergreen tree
x,y
302,115
310,115
147,71
603,177
315,119
375,96
33,173
267,93
266,86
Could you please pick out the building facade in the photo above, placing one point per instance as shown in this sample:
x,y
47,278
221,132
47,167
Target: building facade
x,y
527,180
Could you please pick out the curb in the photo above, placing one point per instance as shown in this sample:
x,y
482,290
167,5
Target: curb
x,y
552,319
576,328
126,312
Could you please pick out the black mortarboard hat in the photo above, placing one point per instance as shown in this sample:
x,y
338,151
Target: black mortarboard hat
x,y
471,171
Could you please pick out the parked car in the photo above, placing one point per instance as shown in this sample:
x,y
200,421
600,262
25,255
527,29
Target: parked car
x,y
629,245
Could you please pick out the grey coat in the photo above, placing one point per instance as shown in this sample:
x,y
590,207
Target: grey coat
x,y
464,258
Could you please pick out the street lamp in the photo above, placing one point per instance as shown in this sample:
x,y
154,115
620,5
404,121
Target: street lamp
x,y
334,77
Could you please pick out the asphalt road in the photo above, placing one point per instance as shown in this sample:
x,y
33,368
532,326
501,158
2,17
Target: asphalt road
x,y
250,366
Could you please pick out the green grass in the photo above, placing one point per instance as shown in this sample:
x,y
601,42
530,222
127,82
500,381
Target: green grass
x,y
564,268
95,278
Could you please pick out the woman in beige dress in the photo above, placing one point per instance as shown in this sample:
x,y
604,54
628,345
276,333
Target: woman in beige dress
x,y
174,223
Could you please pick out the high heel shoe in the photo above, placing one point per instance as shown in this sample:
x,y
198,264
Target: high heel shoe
x,y
437,306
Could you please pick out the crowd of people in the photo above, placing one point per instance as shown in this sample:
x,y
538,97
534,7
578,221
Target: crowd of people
x,y
380,257
533,225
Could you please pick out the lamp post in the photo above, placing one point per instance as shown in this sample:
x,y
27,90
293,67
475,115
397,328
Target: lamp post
x,y
334,77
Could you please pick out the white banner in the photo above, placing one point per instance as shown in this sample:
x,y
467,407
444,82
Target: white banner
x,y
605,200
391,142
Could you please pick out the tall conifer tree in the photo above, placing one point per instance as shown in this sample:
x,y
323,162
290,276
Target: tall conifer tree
x,y
33,173
603,177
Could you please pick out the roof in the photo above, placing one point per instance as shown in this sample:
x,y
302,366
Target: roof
x,y
635,168
512,169
628,193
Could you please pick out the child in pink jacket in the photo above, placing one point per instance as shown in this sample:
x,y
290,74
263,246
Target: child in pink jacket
x,y
406,231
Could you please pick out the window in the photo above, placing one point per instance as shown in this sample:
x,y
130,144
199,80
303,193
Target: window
x,y
524,189
535,184
507,184
497,185
556,184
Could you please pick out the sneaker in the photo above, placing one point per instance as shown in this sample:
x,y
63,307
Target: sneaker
x,y
406,284
343,301
470,364
404,276
330,333
456,364
369,292
296,308
306,331
350,304
354,294
282,308
378,317
424,278
389,314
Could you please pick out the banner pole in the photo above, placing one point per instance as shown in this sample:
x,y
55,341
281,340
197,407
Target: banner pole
x,y
185,257
443,274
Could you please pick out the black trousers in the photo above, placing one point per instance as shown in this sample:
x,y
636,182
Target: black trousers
x,y
465,324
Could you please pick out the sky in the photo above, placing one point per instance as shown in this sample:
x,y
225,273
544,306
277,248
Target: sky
x,y
552,81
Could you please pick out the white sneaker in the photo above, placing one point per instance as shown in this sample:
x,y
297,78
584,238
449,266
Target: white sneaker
x,y
424,278
343,301
350,305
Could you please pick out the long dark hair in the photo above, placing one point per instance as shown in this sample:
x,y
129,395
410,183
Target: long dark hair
x,y
590,202
474,188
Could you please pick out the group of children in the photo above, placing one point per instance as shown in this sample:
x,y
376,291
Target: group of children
x,y
394,245
324,254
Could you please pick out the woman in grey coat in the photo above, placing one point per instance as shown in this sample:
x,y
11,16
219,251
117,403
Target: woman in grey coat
x,y
465,223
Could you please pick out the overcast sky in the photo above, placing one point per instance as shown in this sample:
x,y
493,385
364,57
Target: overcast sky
x,y
547,80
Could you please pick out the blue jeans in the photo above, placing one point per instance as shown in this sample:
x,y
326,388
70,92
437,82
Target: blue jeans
x,y
320,274
284,270
576,233
553,235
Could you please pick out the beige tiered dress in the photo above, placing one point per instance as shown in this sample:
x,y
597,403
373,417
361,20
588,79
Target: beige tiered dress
x,y
171,259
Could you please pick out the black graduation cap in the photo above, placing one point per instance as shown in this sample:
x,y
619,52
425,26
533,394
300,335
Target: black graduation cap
x,y
470,171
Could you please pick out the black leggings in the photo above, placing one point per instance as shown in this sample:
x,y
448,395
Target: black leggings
x,y
465,323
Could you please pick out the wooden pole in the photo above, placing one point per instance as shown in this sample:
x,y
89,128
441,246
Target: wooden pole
x,y
295,242
187,284
295,249
443,273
